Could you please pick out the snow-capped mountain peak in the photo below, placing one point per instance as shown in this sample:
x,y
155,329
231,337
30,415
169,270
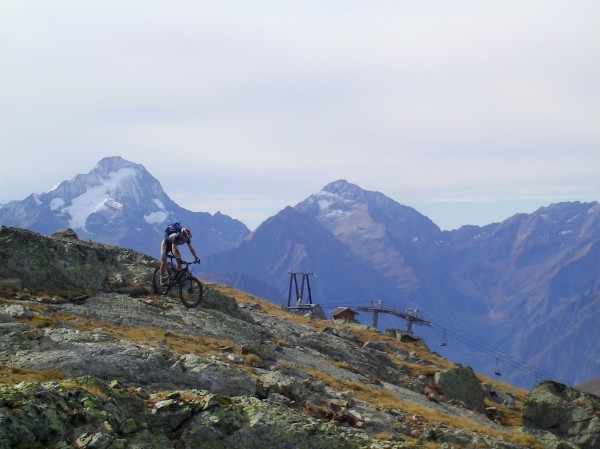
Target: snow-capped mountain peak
x,y
337,201
120,203
111,184
97,198
340,205
344,189
115,163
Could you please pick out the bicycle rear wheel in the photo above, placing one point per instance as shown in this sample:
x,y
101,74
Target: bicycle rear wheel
x,y
191,292
159,288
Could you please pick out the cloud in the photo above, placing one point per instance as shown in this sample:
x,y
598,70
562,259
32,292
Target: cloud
x,y
258,103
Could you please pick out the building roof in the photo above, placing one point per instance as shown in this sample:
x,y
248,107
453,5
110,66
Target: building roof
x,y
339,310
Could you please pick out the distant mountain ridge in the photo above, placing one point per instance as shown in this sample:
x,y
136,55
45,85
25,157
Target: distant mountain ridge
x,y
519,297
591,386
119,203
292,241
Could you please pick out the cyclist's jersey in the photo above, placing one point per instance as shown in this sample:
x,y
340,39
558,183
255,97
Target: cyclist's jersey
x,y
174,238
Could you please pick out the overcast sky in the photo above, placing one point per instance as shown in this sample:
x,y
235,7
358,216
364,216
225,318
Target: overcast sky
x,y
468,111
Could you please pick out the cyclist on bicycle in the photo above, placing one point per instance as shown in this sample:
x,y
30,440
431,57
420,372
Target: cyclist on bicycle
x,y
171,245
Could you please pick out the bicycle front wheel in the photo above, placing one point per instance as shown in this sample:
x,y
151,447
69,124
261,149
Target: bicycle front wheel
x,y
191,292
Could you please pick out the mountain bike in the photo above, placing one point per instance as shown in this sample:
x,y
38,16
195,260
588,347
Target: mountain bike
x,y
191,290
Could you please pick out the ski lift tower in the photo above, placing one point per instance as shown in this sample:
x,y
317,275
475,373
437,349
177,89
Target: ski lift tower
x,y
313,310
375,308
411,315
299,291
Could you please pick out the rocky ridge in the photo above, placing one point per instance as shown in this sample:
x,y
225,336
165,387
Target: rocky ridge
x,y
90,358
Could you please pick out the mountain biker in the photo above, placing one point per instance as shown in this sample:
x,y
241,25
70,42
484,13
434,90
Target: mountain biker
x,y
171,245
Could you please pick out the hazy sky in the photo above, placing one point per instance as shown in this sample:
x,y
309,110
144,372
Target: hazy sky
x,y
468,111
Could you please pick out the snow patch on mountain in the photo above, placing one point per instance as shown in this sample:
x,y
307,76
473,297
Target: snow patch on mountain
x,y
324,205
336,215
112,203
97,198
327,202
56,204
156,217
54,187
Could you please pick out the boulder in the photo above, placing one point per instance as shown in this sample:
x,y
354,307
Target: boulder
x,y
12,283
499,397
569,414
376,346
461,384
66,234
17,311
342,332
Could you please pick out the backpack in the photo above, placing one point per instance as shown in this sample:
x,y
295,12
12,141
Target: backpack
x,y
172,228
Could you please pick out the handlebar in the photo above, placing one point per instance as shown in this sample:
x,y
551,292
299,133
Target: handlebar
x,y
183,261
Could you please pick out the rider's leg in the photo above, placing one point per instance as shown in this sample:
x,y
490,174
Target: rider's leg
x,y
163,260
177,254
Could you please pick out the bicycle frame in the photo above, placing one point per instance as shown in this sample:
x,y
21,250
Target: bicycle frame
x,y
178,275
190,288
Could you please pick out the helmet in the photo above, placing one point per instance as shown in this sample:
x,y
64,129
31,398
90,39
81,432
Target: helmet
x,y
186,233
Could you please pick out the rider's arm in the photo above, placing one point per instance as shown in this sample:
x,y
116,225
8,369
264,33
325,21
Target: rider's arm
x,y
192,250
175,251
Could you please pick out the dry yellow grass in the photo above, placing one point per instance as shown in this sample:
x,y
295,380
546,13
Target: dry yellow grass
x,y
14,375
66,293
517,393
270,308
384,436
279,341
421,370
178,343
73,384
385,400
347,366
6,292
506,416
254,360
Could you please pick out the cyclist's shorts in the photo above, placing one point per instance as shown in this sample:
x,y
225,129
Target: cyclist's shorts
x,y
164,248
